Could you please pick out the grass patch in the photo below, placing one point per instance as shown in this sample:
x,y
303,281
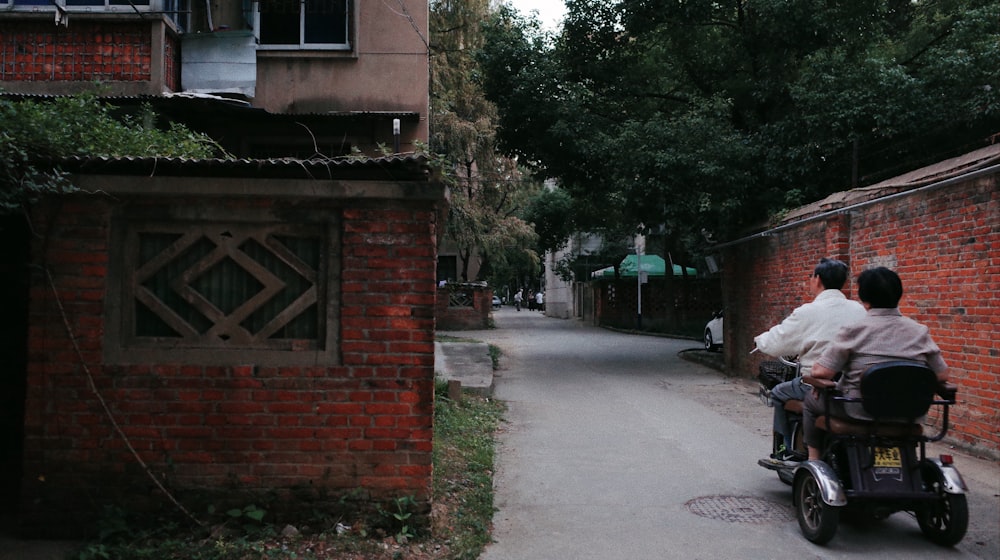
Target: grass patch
x,y
462,514
463,469
495,353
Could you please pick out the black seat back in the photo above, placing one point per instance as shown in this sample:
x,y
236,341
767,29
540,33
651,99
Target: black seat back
x,y
898,390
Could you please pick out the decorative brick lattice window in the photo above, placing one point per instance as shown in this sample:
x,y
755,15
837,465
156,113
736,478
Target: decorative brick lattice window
x,y
259,293
459,297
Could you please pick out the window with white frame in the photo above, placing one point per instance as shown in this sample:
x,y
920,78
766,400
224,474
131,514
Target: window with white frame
x,y
110,5
81,5
303,24
179,12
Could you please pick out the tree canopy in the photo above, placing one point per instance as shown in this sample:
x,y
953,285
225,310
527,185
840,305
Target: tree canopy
x,y
714,115
489,191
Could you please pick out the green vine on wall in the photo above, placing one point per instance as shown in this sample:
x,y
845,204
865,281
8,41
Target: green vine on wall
x,y
34,133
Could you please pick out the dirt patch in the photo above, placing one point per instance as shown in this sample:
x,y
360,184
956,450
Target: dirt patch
x,y
736,398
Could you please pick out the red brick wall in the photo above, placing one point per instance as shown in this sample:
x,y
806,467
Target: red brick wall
x,y
84,51
669,305
460,318
236,431
944,244
172,62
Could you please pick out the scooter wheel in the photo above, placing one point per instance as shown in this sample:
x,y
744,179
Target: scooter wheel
x,y
817,519
945,520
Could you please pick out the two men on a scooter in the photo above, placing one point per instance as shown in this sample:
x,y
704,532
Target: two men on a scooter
x,y
864,432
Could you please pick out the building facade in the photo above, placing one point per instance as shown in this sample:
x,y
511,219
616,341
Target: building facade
x,y
358,69
216,331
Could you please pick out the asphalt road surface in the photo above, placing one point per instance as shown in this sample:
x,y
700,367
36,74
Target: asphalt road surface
x,y
616,448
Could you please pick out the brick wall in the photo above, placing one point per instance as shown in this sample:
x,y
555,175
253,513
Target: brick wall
x,y
84,51
218,433
942,240
669,305
172,62
463,307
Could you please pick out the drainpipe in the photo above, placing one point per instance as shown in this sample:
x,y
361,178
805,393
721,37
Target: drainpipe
x,y
208,13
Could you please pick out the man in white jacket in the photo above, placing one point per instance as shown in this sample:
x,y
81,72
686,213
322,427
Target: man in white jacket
x,y
806,333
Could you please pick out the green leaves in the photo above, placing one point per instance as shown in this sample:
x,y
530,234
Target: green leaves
x,y
717,114
35,132
250,512
488,189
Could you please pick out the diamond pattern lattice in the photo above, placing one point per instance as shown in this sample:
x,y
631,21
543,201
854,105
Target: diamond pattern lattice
x,y
228,286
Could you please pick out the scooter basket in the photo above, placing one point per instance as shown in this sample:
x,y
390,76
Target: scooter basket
x,y
772,373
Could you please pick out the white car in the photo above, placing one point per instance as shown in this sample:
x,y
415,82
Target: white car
x,y
713,333
496,302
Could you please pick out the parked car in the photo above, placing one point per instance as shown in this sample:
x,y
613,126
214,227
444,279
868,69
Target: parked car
x,y
496,302
713,333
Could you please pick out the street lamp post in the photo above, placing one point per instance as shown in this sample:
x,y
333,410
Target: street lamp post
x,y
638,291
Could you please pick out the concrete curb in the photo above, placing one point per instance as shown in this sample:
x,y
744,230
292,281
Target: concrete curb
x,y
469,363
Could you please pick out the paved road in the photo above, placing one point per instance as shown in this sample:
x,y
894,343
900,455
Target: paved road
x,y
615,448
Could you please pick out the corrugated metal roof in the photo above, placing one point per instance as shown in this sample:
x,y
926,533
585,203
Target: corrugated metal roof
x,y
940,171
185,99
399,167
979,162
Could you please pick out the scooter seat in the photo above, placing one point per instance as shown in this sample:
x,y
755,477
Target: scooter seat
x,y
793,406
852,427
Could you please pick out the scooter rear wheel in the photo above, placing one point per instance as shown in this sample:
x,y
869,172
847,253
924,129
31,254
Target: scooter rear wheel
x,y
944,521
817,519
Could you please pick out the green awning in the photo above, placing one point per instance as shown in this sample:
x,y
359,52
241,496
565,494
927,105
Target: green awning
x,y
652,265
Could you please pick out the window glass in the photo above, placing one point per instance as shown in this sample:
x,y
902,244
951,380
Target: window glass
x,y
325,22
279,22
304,23
73,3
178,12
91,3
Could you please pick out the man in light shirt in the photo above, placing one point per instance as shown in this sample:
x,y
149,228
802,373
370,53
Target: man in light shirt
x,y
806,333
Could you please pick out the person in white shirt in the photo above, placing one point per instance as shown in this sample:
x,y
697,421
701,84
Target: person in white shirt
x,y
806,333
539,300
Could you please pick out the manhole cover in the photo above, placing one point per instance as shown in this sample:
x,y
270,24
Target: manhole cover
x,y
740,509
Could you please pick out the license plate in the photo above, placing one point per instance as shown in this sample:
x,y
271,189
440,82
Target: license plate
x,y
888,457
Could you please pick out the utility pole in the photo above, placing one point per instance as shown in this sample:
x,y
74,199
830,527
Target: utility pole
x,y
638,286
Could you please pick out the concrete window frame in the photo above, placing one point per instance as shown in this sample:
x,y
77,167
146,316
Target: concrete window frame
x,y
111,6
329,31
222,338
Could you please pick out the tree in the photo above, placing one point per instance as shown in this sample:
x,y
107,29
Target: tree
x,y
488,189
35,134
551,212
701,115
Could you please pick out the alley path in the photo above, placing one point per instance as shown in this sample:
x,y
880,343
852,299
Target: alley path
x,y
616,448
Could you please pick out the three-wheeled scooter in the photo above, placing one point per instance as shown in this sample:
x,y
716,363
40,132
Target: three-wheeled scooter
x,y
879,465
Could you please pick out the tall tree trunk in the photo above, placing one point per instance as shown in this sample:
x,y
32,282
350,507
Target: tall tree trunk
x,y
463,255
